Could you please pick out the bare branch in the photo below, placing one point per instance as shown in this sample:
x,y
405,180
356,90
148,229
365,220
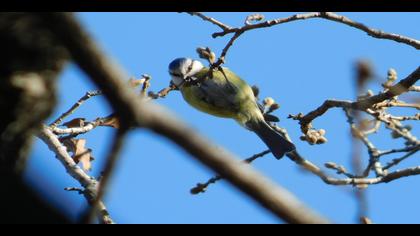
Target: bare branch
x,y
77,130
211,20
328,16
404,104
396,90
162,93
305,120
372,150
356,181
268,23
406,149
201,188
394,125
105,216
225,50
110,163
398,160
61,153
371,32
363,104
75,106
89,184
403,118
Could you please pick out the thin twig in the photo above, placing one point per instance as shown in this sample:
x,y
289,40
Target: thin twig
x,y
75,106
363,104
396,90
162,93
309,166
202,187
394,126
77,130
212,20
256,156
328,16
222,56
371,32
403,118
372,150
399,104
268,23
406,149
398,160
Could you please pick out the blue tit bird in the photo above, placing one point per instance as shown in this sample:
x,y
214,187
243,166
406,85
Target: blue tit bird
x,y
224,94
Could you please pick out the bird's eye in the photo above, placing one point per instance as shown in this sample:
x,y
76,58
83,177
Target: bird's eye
x,y
189,68
175,74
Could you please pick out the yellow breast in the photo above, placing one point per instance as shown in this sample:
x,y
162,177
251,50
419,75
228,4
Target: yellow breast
x,y
190,95
224,95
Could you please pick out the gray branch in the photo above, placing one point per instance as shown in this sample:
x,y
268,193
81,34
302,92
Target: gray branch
x,y
89,184
328,16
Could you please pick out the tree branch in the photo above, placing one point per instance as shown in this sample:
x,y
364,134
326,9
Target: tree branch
x,y
75,106
363,104
328,16
89,184
396,90
201,188
398,160
371,32
356,181
110,163
211,20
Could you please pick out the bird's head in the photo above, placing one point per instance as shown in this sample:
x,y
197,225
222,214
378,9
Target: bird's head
x,y
182,69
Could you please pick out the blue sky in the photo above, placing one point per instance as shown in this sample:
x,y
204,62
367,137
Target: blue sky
x,y
299,64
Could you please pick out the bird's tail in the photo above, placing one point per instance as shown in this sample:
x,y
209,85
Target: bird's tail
x,y
277,144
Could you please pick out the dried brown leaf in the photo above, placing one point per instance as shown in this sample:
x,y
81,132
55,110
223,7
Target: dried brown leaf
x,y
81,154
75,123
111,121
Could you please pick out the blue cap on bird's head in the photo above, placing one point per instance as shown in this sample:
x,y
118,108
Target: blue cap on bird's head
x,y
178,63
182,68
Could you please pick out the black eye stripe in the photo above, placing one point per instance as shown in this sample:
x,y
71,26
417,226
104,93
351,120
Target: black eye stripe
x,y
174,74
190,67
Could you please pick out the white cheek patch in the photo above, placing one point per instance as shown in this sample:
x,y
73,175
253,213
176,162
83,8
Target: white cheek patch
x,y
197,66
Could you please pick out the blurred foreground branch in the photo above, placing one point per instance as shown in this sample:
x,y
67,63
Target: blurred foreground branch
x,y
30,62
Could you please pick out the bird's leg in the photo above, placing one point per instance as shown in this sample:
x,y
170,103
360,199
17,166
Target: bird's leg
x,y
227,81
